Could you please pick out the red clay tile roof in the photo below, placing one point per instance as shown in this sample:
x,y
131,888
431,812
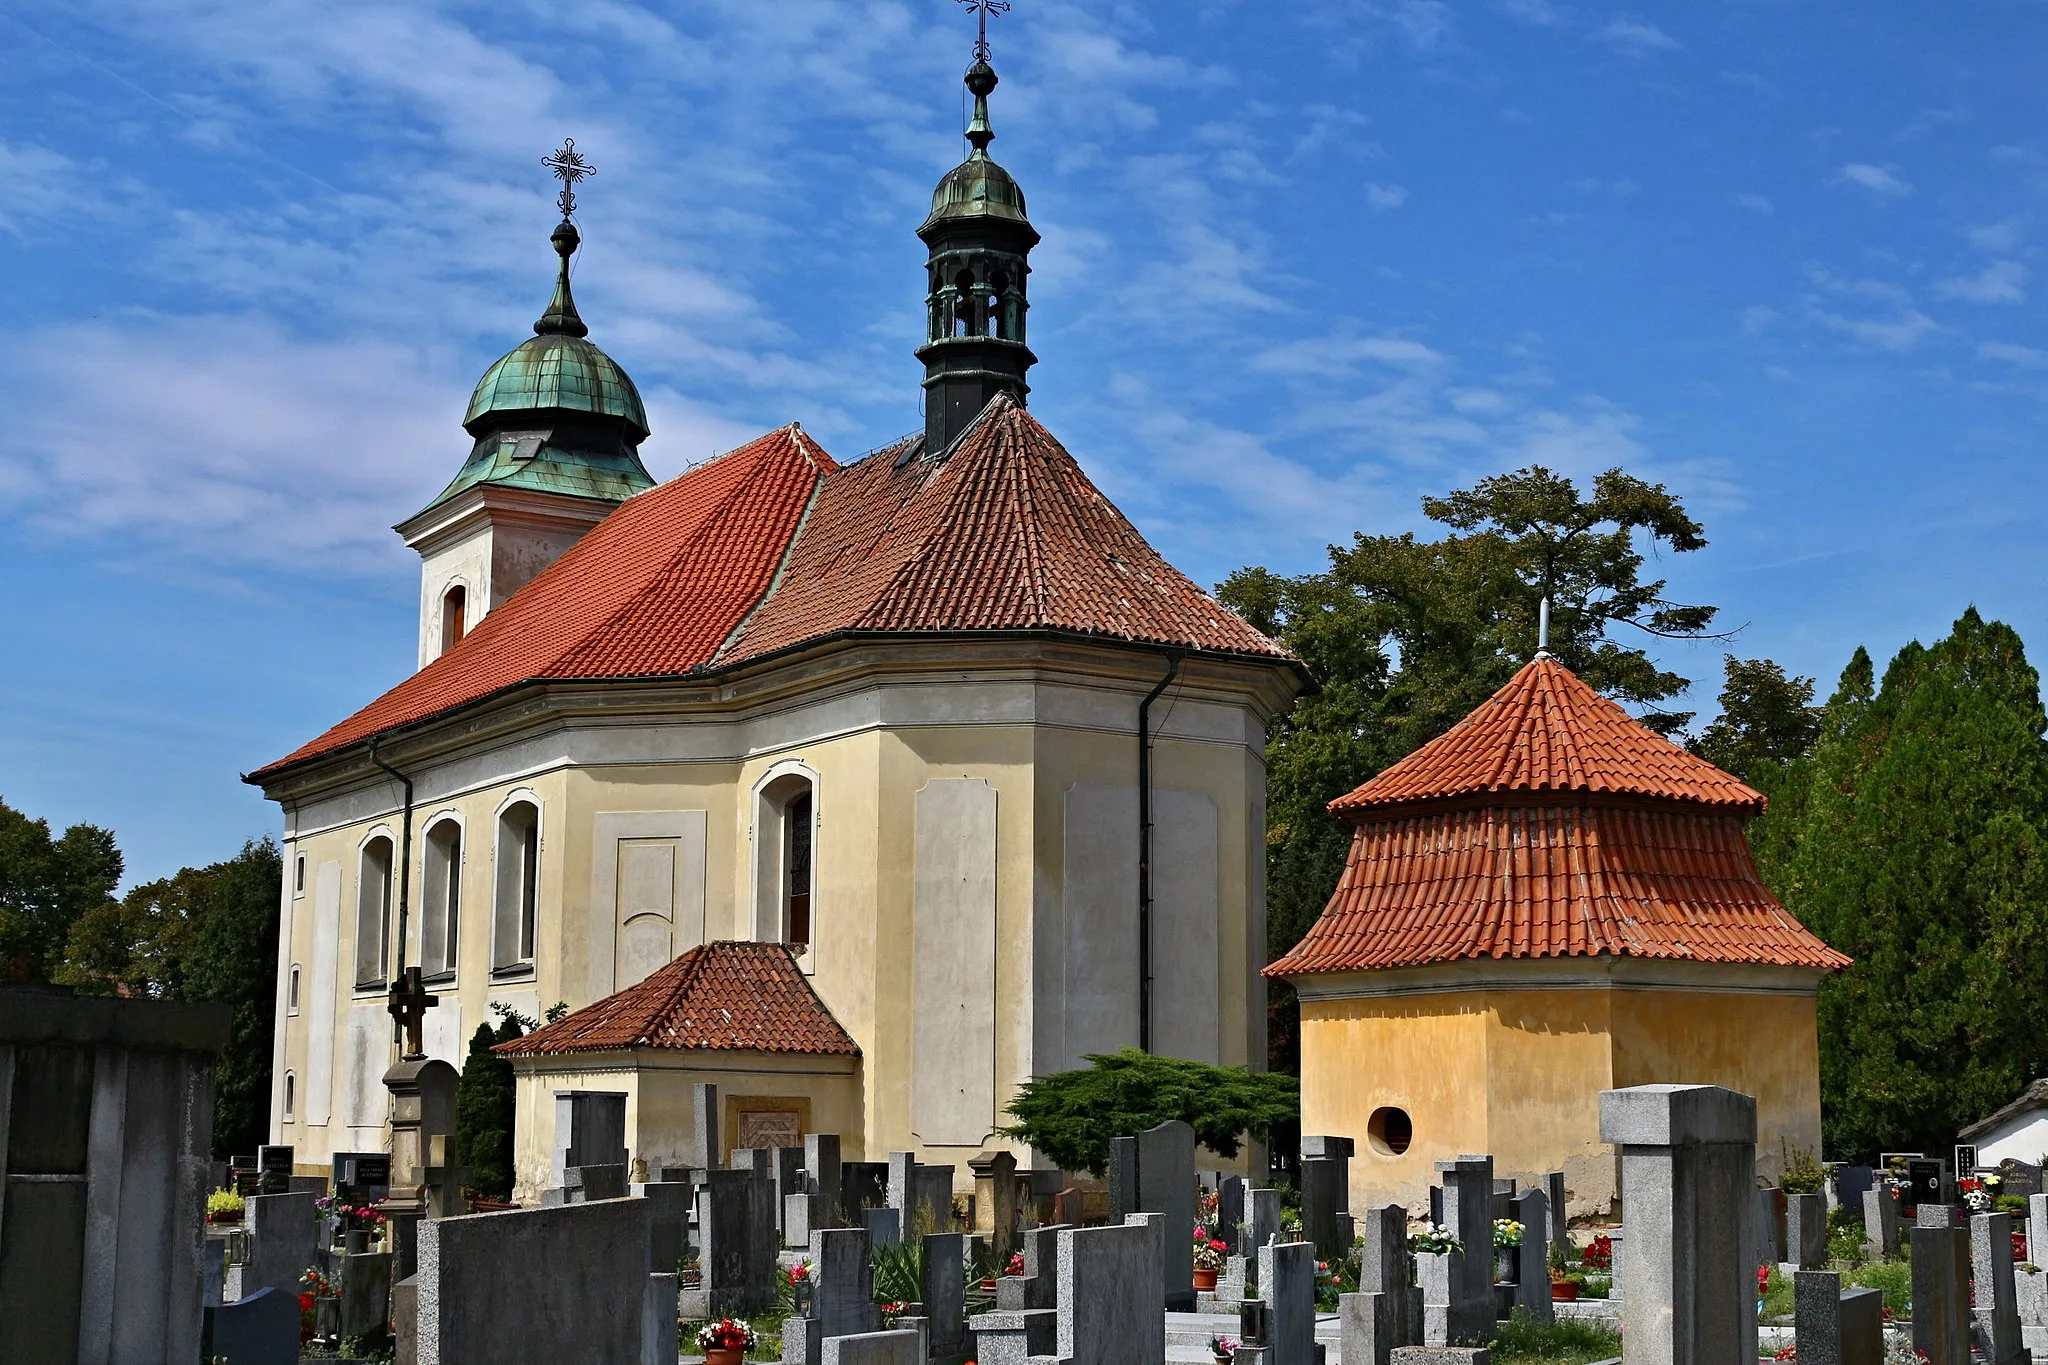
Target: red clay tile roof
x,y
1553,881
718,997
652,590
1547,731
1549,824
1004,533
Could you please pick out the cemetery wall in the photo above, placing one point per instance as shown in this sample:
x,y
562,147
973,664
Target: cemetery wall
x,y
1509,1057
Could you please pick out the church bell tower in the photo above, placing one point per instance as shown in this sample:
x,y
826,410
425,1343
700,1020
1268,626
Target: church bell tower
x,y
980,246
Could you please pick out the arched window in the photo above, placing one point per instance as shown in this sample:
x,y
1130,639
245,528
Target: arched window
x,y
512,931
454,616
291,993
373,910
291,1095
967,314
441,897
785,831
998,287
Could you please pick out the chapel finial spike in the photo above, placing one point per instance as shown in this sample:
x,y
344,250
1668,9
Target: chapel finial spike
x,y
1543,628
982,10
568,166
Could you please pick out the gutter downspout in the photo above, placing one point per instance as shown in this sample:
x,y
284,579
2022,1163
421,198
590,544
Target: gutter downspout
x,y
1173,662
405,856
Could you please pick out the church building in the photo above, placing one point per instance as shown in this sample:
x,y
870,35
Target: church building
x,y
866,790
1547,901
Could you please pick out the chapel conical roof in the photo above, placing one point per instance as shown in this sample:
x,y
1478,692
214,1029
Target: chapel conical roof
x,y
1547,731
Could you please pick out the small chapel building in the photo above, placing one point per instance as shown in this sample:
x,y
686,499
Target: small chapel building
x,y
1547,901
868,790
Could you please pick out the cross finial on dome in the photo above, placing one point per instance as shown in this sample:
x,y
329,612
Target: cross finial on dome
x,y
568,166
982,10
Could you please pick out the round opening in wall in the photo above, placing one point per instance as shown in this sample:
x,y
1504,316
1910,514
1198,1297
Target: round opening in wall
x,y
1390,1130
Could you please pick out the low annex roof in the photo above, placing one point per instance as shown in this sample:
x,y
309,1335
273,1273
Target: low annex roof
x,y
2031,1099
722,996
1547,731
775,545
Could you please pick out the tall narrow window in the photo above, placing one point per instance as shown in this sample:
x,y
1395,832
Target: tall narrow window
x,y
291,994
441,897
512,933
291,1095
299,875
373,910
796,890
454,616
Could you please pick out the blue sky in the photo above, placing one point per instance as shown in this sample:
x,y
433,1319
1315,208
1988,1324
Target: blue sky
x,y
1302,264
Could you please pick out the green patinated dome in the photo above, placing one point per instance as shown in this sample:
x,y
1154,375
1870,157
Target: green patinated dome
x,y
978,187
556,370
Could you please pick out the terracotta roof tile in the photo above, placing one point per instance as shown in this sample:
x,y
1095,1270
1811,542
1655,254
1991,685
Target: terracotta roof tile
x,y
1549,824
1004,533
1546,730
653,589
718,997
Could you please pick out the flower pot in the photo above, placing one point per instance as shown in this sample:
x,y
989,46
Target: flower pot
x,y
1563,1291
723,1355
1205,1280
1505,1271
355,1241
988,1284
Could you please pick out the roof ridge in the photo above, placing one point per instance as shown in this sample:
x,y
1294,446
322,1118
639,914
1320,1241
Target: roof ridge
x,y
796,535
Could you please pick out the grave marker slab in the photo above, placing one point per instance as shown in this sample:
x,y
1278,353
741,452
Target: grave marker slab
x,y
1532,1258
1365,1325
884,1227
945,1269
705,1150
1166,1185
1996,1316
1941,1296
1123,1178
1880,1222
590,1130
874,1348
1287,1280
262,1329
1468,1214
822,1172
1806,1232
1108,1310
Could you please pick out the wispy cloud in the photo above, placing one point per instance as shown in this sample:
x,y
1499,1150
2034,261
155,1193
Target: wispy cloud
x,y
1997,238
1383,197
2025,357
1756,203
1877,179
1998,282
1633,37
1535,13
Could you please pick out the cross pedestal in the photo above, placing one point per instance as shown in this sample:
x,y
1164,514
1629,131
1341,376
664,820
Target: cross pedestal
x,y
443,1180
422,1107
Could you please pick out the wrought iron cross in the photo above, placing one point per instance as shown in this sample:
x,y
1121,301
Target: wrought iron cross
x,y
982,10
409,1002
568,166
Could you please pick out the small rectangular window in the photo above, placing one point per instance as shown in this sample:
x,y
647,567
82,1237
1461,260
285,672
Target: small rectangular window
x,y
299,875
291,994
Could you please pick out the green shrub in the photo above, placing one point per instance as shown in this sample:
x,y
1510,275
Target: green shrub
x,y
485,1103
1071,1115
1567,1341
1894,1277
1777,1297
1803,1174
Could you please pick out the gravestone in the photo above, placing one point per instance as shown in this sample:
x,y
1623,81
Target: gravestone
x,y
422,1104
995,1202
1880,1222
1166,1185
732,1276
786,1168
1265,1226
932,1204
884,1227
902,1184
273,1170
1322,1179
590,1130
262,1329
284,1237
1806,1232
705,1149
1560,1217
1941,1294
1108,1306
1996,1316
1835,1328
1287,1279
1468,1214
1849,1183
1769,1226
758,1164
1069,1207
1365,1326
842,1296
862,1185
1387,1268
944,1297
822,1172
1123,1179
1688,1166
366,1293
1532,1257
1034,1288
901,1347
364,1175
1230,1212
1926,1183
2021,1179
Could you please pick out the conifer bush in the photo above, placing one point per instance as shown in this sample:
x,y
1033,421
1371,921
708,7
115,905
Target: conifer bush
x,y
485,1103
1070,1116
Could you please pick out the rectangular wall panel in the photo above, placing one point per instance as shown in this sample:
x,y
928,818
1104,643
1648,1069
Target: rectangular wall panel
x,y
1185,953
646,894
953,965
320,1005
366,1103
1100,905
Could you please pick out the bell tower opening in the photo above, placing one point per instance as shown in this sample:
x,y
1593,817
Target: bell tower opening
x,y
454,603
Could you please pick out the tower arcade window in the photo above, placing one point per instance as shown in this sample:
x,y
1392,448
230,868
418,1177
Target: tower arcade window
x,y
441,897
518,876
785,830
454,616
373,910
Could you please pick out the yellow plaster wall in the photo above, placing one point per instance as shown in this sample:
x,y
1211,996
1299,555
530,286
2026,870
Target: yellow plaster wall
x,y
1767,1046
1517,1074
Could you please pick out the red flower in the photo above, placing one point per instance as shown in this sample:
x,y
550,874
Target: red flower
x,y
1763,1279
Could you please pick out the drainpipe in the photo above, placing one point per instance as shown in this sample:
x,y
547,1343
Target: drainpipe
x,y
405,858
1173,659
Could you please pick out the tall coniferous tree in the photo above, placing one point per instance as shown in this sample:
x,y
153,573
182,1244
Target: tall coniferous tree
x,y
1914,838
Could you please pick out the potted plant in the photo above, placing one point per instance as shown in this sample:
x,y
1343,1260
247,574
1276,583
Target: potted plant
x,y
726,1341
319,1308
1507,1245
224,1206
1210,1252
1563,1289
1223,1348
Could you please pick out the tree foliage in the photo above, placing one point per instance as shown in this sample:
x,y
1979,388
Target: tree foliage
x,y
485,1096
1913,836
1767,721
46,886
205,934
1070,1116
1407,635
